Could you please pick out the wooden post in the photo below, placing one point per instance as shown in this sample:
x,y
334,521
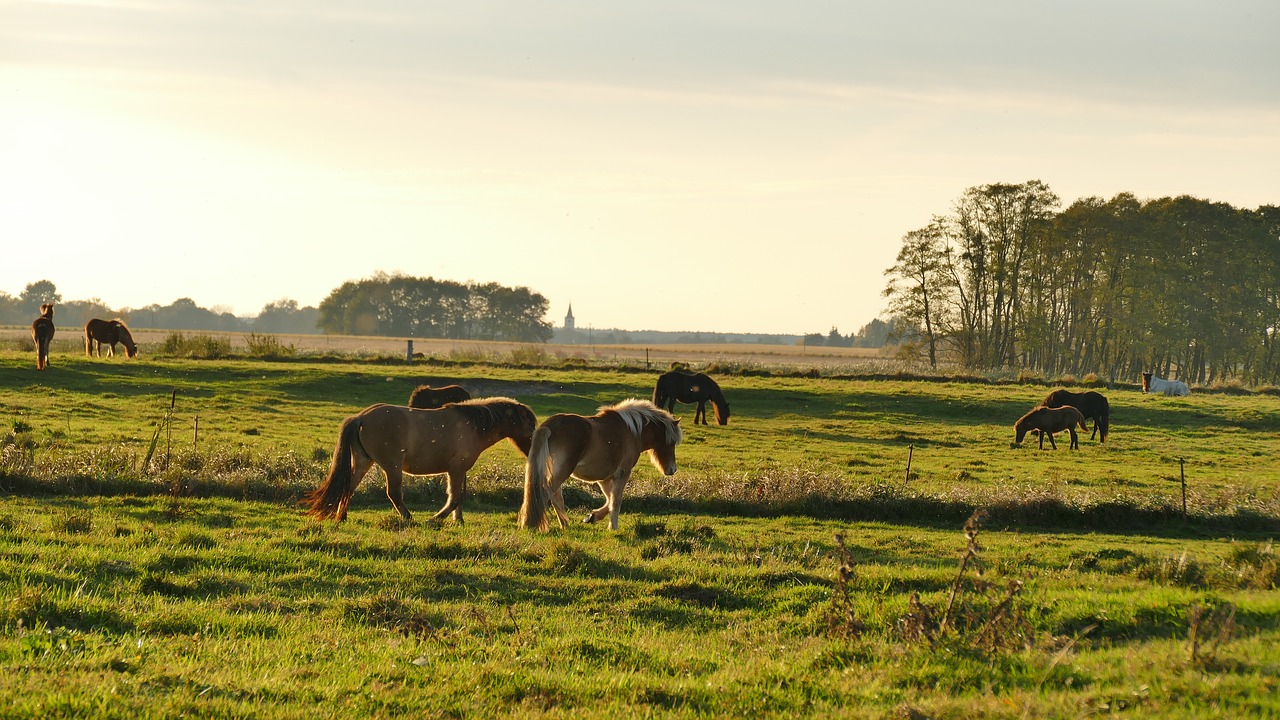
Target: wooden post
x,y
1182,471
408,351
195,437
168,430
911,449
646,358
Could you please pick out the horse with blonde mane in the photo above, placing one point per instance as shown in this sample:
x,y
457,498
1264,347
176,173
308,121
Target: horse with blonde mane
x,y
1168,388
420,442
110,333
1047,421
603,449
42,333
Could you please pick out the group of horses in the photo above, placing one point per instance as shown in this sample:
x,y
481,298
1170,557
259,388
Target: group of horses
x,y
1066,410
96,334
444,430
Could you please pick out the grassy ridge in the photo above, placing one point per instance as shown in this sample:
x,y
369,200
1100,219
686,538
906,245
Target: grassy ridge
x,y
194,586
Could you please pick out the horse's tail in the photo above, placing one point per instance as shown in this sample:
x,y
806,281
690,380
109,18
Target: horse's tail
x,y
537,470
332,496
660,391
1103,421
88,342
43,338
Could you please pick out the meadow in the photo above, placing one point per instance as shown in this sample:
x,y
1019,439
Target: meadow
x,y
155,562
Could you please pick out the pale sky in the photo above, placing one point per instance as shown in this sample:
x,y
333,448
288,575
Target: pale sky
x,y
734,166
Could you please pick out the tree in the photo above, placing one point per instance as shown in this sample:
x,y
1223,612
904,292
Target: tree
x,y
918,285
38,293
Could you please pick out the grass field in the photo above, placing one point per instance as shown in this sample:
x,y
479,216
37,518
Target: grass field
x,y
191,584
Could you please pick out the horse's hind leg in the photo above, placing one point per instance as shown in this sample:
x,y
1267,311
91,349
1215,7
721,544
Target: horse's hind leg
x,y
701,415
1075,442
395,489
606,488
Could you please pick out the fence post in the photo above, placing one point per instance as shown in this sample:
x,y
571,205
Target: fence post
x,y
408,351
1182,471
911,449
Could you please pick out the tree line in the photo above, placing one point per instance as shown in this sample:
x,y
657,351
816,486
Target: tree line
x,y
402,306
1180,286
397,306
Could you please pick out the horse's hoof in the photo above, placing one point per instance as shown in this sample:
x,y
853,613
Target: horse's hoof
x,y
589,519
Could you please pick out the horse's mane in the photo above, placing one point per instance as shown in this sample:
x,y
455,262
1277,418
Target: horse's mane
x,y
636,412
482,414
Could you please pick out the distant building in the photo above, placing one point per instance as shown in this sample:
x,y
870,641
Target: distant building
x,y
566,335
568,319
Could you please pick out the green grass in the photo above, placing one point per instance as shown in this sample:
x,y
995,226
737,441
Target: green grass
x,y
193,585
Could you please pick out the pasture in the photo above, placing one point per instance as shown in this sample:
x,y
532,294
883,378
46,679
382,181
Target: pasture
x,y
791,566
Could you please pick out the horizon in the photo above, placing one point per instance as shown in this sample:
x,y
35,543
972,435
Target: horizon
x,y
670,166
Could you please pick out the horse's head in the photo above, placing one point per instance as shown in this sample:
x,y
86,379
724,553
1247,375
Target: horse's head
x,y
1146,382
523,424
130,347
722,411
663,453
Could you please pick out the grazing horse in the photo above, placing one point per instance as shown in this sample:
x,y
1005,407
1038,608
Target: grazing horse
x,y
603,449
1049,421
109,333
42,333
1168,388
1090,404
425,397
421,442
677,386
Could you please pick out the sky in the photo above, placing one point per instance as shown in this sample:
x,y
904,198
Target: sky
x,y
730,166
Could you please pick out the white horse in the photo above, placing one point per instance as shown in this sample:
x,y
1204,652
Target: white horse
x,y
1169,388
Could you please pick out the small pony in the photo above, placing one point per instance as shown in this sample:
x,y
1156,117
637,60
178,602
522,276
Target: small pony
x,y
109,333
1091,404
603,449
1047,421
42,333
425,397
1168,388
421,442
676,386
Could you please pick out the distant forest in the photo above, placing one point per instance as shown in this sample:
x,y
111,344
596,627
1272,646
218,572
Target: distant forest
x,y
1180,286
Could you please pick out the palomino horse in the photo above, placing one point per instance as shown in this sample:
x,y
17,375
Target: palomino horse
x,y
602,449
425,397
1153,384
421,442
677,386
109,333
42,333
1090,404
1048,421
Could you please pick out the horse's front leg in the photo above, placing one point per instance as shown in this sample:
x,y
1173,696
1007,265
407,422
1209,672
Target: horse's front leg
x,y
457,490
1052,444
606,487
1075,442
700,417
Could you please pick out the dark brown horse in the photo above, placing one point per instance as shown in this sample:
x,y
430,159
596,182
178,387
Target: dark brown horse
x,y
603,449
110,333
425,397
1090,404
1048,421
677,386
42,333
421,442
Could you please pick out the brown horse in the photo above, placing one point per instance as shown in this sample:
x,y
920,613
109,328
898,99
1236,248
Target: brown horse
x,y
42,333
421,442
677,386
603,449
1090,404
1048,421
425,397
109,333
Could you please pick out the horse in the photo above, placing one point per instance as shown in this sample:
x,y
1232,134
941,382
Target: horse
x,y
421,442
108,332
1090,404
603,449
676,386
1169,388
425,397
1049,421
42,333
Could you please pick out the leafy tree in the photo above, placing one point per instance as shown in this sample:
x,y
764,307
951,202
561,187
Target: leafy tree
x,y
39,293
